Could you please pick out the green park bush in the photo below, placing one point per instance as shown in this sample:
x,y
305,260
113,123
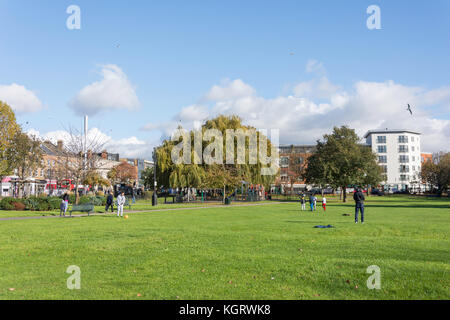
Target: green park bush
x,y
96,201
10,203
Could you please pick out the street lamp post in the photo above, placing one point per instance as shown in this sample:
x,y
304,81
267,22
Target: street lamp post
x,y
155,195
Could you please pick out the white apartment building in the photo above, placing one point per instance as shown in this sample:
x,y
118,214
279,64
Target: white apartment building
x,y
399,156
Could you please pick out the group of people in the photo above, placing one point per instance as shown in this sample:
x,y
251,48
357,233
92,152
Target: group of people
x,y
120,203
358,196
109,203
312,202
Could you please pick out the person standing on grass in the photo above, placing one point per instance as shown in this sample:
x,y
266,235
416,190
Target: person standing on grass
x,y
120,203
133,195
303,202
315,203
324,204
359,204
64,204
109,202
311,202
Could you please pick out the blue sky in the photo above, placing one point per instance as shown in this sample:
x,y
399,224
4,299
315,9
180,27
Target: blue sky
x,y
172,53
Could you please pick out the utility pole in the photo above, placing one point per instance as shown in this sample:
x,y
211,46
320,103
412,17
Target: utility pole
x,y
85,149
155,195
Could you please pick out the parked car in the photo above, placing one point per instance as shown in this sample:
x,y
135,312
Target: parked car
x,y
377,192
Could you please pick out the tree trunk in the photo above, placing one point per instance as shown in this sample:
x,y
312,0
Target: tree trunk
x,y
344,190
77,196
224,190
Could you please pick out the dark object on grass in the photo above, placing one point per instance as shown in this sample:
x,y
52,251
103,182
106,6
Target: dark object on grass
x,y
323,227
346,214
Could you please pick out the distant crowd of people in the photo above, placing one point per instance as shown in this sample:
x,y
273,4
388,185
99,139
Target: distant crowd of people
x,y
358,197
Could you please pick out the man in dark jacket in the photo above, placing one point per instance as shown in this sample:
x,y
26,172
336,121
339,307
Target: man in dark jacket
x,y
109,202
359,198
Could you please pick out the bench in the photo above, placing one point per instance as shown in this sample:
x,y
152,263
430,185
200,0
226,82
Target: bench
x,y
82,208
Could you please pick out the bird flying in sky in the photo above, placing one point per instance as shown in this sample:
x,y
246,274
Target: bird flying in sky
x,y
409,109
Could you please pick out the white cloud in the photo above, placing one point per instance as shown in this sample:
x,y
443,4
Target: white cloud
x,y
229,90
314,66
19,98
302,120
320,88
113,92
192,113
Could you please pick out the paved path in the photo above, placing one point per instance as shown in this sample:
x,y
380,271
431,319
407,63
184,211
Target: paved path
x,y
139,211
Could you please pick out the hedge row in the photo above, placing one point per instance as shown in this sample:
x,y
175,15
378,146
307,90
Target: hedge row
x,y
45,203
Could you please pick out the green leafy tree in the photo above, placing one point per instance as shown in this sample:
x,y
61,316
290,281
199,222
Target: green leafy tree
x,y
8,130
26,155
200,175
148,178
341,160
437,172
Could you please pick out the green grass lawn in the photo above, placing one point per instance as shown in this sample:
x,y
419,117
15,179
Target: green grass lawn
x,y
263,252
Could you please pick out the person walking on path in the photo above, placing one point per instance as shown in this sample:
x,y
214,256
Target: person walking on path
x,y
64,204
109,202
359,204
324,204
120,203
311,202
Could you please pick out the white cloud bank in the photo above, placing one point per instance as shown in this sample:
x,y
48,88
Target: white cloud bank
x,y
113,92
19,98
302,119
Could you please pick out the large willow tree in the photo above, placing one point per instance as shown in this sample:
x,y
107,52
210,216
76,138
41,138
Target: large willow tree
x,y
198,174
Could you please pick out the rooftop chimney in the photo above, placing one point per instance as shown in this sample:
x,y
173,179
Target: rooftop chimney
x,y
60,144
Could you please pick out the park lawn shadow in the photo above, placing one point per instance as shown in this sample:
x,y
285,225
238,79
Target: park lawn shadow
x,y
367,205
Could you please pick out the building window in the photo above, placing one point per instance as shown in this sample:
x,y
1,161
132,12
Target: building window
x,y
413,158
404,169
284,161
402,139
383,169
402,148
404,159
382,149
382,159
299,160
412,148
381,139
404,177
